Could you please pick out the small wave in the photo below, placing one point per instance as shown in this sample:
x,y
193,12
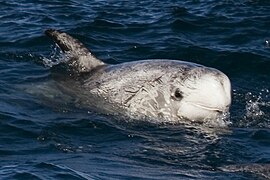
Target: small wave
x,y
106,23
180,11
43,170
181,24
15,172
260,170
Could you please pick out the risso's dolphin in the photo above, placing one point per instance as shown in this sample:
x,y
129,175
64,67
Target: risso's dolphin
x,y
156,89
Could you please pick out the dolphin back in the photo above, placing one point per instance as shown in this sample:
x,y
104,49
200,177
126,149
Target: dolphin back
x,y
80,58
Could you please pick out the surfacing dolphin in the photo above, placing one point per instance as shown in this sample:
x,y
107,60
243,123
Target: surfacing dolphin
x,y
158,89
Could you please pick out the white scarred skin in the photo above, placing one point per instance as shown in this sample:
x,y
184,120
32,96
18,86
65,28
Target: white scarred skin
x,y
160,90
147,89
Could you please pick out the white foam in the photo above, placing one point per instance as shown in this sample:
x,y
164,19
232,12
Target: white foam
x,y
56,57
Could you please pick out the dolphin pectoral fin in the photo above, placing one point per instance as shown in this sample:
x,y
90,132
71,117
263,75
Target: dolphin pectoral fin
x,y
80,58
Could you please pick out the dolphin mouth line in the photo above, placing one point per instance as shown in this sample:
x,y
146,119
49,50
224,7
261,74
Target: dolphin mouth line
x,y
216,109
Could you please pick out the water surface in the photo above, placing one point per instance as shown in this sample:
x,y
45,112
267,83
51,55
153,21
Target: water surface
x,y
42,139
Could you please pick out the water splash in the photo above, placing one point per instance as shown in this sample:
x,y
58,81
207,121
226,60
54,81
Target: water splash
x,y
267,43
254,104
56,57
256,109
222,121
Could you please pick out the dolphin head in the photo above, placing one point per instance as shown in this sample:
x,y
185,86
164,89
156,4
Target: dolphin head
x,y
199,93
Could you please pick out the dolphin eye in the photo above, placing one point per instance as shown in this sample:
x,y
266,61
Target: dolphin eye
x,y
178,95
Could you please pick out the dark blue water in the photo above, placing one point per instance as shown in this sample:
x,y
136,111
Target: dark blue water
x,y
41,139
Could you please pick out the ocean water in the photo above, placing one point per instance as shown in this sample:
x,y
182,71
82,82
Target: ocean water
x,y
43,139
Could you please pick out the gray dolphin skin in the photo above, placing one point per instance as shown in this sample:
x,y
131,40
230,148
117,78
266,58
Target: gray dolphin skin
x,y
157,89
